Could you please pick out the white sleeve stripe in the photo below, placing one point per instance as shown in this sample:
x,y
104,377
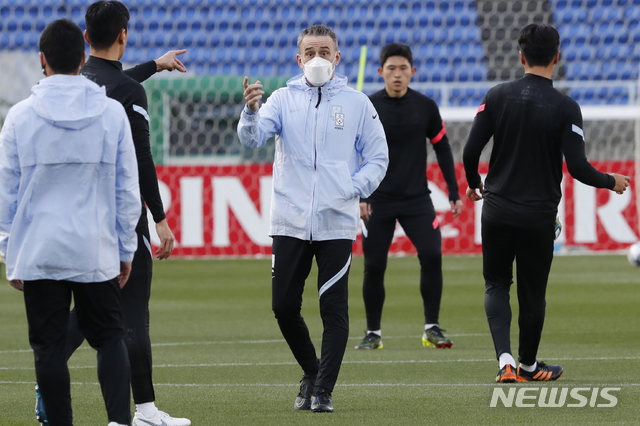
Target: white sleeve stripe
x,y
577,130
142,112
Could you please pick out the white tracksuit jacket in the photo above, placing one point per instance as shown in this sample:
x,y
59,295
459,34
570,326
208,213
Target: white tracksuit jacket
x,y
326,156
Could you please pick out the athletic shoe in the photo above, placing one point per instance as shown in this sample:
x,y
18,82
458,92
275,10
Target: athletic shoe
x,y
321,401
506,374
542,373
160,419
41,416
303,400
370,341
433,337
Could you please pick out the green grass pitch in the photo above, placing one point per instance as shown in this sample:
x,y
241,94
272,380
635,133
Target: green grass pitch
x,y
220,359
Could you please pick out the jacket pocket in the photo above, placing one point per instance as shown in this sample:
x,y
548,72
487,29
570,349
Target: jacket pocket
x,y
335,185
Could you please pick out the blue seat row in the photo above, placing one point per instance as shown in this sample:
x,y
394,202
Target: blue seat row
x,y
260,36
592,96
428,5
563,4
429,36
607,70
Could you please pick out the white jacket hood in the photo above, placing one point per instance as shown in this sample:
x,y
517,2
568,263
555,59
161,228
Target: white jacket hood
x,y
65,103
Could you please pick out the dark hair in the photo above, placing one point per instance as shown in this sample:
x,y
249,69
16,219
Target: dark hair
x,y
539,44
395,49
105,20
62,44
318,30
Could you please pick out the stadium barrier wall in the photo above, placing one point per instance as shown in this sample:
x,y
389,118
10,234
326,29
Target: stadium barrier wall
x,y
223,211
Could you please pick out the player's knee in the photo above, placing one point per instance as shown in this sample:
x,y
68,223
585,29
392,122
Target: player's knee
x,y
283,309
430,259
373,268
495,286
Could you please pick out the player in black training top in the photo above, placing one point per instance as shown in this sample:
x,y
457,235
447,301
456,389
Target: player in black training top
x,y
409,119
533,126
107,35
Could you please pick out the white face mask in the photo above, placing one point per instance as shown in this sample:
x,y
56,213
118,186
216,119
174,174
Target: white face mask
x,y
318,71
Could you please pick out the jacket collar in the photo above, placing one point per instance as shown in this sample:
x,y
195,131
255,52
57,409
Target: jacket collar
x,y
95,62
333,86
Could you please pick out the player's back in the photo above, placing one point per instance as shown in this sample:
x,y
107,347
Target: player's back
x,y
69,144
529,117
118,85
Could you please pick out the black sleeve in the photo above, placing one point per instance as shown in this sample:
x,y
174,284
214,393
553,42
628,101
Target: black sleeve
x,y
573,148
437,133
138,117
480,134
142,72
435,125
445,161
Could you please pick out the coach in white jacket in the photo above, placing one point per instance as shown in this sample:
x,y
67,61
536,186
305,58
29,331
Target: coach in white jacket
x,y
69,205
330,150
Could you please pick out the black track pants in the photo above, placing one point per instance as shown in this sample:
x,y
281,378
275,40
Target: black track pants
x,y
99,317
135,320
532,249
291,264
418,219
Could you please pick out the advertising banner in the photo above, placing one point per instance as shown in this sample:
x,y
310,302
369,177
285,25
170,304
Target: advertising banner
x,y
223,211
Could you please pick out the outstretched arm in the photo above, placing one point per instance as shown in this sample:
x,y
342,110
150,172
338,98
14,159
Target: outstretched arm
x,y
167,62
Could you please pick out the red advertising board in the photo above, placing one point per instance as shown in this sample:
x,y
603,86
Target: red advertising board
x,y
224,211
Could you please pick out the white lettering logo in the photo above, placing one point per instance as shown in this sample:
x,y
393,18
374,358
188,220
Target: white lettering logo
x,y
230,195
553,397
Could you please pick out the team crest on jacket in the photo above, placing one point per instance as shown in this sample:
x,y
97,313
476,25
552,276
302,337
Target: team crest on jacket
x,y
340,121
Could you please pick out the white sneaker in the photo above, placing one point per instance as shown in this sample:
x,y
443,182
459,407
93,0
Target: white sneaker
x,y
160,419
115,424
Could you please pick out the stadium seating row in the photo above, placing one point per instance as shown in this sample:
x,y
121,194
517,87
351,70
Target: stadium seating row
x,y
599,37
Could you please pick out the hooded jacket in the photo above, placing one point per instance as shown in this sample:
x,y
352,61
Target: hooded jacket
x,y
330,150
69,194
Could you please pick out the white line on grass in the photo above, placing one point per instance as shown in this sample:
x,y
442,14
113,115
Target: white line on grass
x,y
410,361
251,342
255,342
562,384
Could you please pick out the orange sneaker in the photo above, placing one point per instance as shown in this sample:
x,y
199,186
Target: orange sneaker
x,y
542,373
506,374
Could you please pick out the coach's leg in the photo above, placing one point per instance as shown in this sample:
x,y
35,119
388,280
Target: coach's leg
x,y
74,335
290,267
376,241
100,319
47,304
534,256
424,232
334,260
135,318
498,252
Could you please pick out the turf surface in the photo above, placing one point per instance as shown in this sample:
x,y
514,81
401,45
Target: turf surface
x,y
219,357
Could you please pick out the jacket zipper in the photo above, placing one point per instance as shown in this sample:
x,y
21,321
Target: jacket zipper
x,y
315,164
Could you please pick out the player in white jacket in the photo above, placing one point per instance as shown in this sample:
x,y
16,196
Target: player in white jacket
x,y
69,205
330,151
